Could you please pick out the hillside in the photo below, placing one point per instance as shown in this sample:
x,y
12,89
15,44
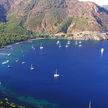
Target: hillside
x,y
52,16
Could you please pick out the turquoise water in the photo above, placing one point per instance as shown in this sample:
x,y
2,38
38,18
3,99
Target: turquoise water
x,y
83,74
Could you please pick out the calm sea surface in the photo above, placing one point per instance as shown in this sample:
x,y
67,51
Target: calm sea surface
x,y
83,74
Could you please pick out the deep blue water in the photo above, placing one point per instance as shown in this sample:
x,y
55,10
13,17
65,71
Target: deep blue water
x,y
83,73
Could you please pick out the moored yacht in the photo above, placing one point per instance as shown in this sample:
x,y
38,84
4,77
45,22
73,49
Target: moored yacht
x,y
66,46
58,42
56,74
102,50
68,42
41,47
31,68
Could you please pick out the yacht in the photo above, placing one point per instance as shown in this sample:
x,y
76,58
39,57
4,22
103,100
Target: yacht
x,y
9,54
59,46
5,62
31,68
17,60
80,45
76,43
80,42
33,47
66,46
56,74
9,66
68,42
102,50
41,47
23,62
58,42
90,104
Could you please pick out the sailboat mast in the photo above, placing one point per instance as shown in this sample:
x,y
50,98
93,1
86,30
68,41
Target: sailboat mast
x,y
90,104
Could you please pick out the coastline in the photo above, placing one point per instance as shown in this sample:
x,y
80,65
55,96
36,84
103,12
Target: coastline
x,y
85,36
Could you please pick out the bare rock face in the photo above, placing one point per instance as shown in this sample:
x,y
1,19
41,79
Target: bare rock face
x,y
52,16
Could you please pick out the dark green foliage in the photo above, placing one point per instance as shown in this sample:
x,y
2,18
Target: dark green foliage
x,y
11,33
64,25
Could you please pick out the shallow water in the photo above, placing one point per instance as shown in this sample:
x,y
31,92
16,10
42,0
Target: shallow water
x,y
83,74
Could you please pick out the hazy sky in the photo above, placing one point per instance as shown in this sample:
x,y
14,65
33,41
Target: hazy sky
x,y
99,2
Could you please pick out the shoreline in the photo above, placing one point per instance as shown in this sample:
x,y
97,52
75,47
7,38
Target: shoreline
x,y
84,36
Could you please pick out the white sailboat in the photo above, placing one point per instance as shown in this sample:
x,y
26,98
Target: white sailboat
x,y
17,60
5,62
68,42
76,43
102,51
80,45
33,47
59,46
58,42
80,42
31,68
41,47
56,74
23,62
9,54
9,66
90,104
66,46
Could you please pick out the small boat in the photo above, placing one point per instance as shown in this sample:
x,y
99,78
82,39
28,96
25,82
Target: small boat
x,y
68,42
41,47
80,45
59,46
58,42
23,62
17,60
5,62
9,54
76,43
31,68
9,66
80,42
66,46
33,47
90,104
102,50
56,74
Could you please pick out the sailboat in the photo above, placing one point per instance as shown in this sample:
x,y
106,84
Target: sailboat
x,y
68,42
58,42
80,42
56,74
9,66
80,45
33,47
31,68
102,51
66,46
76,43
90,104
59,46
41,47
17,60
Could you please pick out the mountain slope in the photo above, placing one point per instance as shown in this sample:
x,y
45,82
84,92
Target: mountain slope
x,y
51,16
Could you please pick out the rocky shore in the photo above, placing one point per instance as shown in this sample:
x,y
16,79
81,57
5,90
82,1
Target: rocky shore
x,y
83,36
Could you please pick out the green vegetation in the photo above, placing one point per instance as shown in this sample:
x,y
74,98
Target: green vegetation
x,y
6,104
12,32
64,25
